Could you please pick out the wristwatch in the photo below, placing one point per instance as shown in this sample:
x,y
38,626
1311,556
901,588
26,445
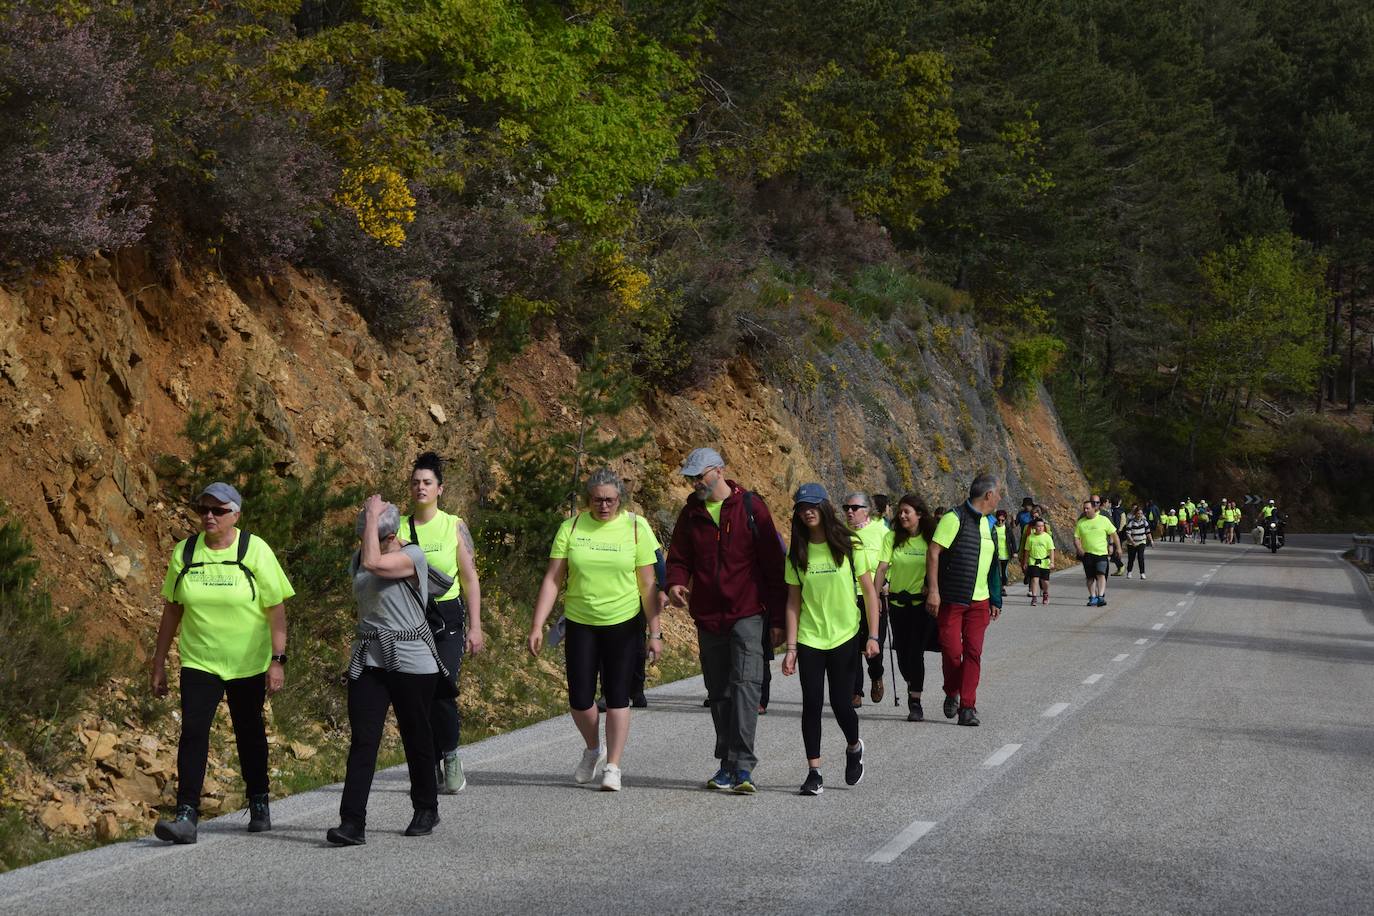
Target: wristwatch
x,y
655,635
280,659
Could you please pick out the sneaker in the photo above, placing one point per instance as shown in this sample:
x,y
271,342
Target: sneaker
x,y
744,783
454,781
1118,571
914,712
592,761
423,822
951,706
877,691
1102,602
1032,602
1142,577
1092,601
813,785
610,778
968,716
706,703
181,829
347,834
259,814
1129,575
1030,594
724,779
638,700
858,700
854,765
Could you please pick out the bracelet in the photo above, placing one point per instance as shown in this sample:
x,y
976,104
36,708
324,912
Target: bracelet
x,y
655,635
792,648
873,638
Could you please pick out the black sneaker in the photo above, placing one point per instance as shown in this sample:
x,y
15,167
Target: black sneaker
x,y
424,822
813,785
951,706
181,829
259,814
968,716
347,834
854,765
914,712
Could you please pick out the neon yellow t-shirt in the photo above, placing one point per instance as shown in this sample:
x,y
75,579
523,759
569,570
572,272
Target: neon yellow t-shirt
x,y
828,616
1266,511
603,588
906,565
1094,534
1002,553
224,631
1038,549
871,538
713,509
438,538
945,533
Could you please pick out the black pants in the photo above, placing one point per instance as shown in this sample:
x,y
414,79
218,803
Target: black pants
x,y
1134,553
816,667
607,651
201,692
410,696
875,664
912,630
637,676
445,719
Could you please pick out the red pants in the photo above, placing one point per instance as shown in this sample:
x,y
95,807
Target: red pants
x,y
961,648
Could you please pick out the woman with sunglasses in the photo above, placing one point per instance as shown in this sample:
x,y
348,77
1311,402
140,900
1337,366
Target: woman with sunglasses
x,y
825,563
225,592
902,568
607,556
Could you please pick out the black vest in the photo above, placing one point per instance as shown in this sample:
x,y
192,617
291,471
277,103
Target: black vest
x,y
958,562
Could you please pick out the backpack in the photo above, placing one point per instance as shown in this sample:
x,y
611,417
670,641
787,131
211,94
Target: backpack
x,y
439,584
188,554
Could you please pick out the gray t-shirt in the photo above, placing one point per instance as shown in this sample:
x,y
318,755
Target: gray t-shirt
x,y
389,604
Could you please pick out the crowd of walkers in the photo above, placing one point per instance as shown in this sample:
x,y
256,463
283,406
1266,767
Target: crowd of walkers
x,y
829,593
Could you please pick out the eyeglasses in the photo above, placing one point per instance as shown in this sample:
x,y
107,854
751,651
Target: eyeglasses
x,y
216,511
694,478
854,507
605,500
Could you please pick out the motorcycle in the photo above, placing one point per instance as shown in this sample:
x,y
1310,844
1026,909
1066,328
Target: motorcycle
x,y
1273,533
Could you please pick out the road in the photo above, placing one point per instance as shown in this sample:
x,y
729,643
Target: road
x,y
1203,744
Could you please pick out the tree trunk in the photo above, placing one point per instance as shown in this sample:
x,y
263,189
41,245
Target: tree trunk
x,y
1350,362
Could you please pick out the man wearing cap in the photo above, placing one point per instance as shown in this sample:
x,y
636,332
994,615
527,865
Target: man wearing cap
x,y
725,564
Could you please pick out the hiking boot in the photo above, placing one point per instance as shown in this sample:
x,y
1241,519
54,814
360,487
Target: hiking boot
x,y
813,785
347,834
639,700
877,691
858,700
854,765
610,778
724,779
592,760
914,712
424,822
744,783
181,829
259,814
968,716
454,780
951,706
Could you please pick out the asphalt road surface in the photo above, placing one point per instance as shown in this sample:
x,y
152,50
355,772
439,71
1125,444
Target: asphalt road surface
x,y
1203,744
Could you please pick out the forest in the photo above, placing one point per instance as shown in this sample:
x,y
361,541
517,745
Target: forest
x,y
1162,210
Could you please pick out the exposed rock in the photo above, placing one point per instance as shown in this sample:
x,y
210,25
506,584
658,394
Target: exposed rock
x,y
64,816
107,828
120,566
437,412
103,747
302,751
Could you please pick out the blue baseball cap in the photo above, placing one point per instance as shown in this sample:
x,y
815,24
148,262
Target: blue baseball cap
x,y
810,494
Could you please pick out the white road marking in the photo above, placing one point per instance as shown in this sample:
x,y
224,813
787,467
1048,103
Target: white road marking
x,y
1122,657
1158,626
1141,642
901,842
1190,594
1198,584
1181,604
1054,710
1092,679
1002,755
1171,614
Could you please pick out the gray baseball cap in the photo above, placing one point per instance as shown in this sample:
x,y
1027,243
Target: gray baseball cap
x,y
700,460
223,492
811,494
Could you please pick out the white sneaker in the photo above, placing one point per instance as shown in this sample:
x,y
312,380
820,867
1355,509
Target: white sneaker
x,y
1129,575
1142,577
610,778
592,761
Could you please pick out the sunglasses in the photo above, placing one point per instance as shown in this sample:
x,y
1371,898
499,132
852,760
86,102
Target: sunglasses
x,y
1096,502
216,511
854,507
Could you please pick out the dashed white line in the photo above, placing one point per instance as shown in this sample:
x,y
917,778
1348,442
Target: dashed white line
x,y
1158,626
1122,657
900,843
1199,583
1171,614
1141,642
1181,604
1190,594
1002,755
1092,679
1054,710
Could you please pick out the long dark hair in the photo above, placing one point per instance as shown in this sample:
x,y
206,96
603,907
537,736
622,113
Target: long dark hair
x,y
838,535
925,523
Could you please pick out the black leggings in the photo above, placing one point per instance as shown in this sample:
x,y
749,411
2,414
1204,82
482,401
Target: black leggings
x,y
610,651
816,666
410,696
1134,553
911,629
445,720
201,692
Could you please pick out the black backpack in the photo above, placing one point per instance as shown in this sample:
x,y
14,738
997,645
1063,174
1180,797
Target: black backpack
x,y
188,553
439,584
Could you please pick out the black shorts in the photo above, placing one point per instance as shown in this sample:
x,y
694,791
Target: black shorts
x,y
1094,564
611,652
1038,572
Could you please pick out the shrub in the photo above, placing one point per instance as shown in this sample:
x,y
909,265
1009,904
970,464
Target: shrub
x,y
1029,361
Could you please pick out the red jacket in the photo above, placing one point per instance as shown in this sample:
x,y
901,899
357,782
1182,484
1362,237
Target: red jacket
x,y
731,574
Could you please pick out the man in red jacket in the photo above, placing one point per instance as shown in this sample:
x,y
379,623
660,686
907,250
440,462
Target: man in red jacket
x,y
725,564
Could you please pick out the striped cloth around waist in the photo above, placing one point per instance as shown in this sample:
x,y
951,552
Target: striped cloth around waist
x,y
386,641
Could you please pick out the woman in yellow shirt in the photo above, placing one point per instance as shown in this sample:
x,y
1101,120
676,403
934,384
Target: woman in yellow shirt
x,y
902,569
